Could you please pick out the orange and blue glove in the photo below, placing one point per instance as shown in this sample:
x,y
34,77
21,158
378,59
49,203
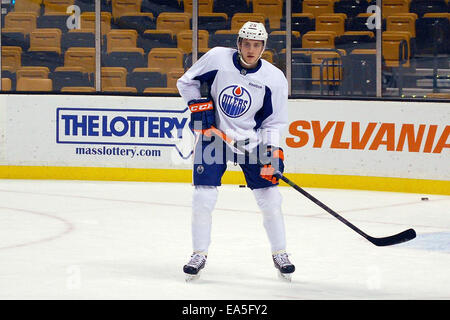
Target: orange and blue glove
x,y
272,167
203,115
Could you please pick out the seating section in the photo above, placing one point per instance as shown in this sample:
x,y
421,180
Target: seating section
x,y
147,44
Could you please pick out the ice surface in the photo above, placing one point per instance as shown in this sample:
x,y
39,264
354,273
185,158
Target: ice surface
x,y
130,240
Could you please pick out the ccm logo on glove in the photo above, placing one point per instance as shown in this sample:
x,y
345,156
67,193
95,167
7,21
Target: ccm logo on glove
x,y
201,106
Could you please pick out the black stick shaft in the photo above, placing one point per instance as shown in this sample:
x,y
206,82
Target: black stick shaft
x,y
385,241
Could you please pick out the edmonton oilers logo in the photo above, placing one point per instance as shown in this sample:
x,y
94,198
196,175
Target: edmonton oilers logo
x,y
235,101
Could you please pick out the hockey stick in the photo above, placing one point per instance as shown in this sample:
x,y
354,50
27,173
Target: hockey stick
x,y
384,241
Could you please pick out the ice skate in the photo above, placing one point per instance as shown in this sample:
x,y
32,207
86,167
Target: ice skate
x,y
194,266
284,266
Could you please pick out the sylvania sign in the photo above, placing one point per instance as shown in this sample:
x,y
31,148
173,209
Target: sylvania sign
x,y
425,138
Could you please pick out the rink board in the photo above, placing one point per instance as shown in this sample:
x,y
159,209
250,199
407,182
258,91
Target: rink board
x,y
372,145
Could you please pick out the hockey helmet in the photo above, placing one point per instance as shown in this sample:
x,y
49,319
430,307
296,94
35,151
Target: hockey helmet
x,y
252,31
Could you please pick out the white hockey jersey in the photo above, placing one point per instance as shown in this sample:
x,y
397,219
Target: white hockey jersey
x,y
249,103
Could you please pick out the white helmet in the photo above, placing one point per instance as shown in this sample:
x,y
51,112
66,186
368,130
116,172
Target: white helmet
x,y
253,31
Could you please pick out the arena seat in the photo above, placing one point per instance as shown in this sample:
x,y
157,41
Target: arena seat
x,y
238,19
28,6
392,43
184,40
213,22
422,7
122,7
137,21
142,78
34,84
173,75
204,6
6,84
113,77
158,38
272,9
80,57
318,7
332,67
317,39
224,38
393,7
78,38
15,37
174,21
351,7
121,38
11,57
303,22
230,7
88,21
331,22
165,59
24,20
69,77
32,72
57,6
129,58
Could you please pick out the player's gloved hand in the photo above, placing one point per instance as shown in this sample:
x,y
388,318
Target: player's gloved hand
x,y
202,114
272,167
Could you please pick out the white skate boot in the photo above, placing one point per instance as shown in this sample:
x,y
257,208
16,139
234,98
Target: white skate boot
x,y
284,266
193,267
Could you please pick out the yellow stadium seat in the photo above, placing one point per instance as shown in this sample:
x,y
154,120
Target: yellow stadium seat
x,y
34,84
80,56
25,20
174,21
11,57
6,84
172,77
184,40
238,19
391,48
57,6
33,6
318,7
121,38
331,64
401,23
122,7
88,21
165,58
43,39
317,39
272,9
393,7
113,77
331,22
32,72
204,6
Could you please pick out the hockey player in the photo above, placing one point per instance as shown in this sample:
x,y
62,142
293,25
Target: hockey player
x,y
248,101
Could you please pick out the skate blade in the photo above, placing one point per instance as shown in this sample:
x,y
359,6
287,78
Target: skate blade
x,y
192,277
285,276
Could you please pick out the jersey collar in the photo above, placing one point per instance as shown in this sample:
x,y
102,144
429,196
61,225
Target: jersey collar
x,y
243,70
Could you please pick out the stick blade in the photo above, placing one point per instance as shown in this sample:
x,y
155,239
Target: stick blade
x,y
395,239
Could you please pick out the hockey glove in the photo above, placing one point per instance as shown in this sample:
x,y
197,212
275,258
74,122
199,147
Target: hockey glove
x,y
202,114
272,166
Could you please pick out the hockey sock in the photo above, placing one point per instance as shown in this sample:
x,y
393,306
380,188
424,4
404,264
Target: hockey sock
x,y
269,202
203,202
